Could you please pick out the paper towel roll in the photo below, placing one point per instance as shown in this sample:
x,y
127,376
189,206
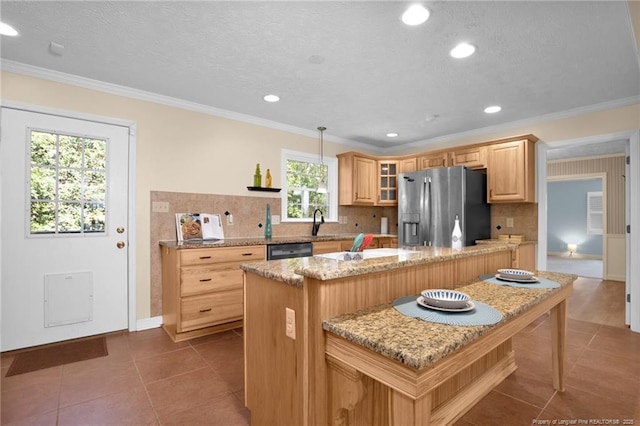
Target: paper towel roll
x,y
384,225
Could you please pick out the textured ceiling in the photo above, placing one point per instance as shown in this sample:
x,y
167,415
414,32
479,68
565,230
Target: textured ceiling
x,y
350,66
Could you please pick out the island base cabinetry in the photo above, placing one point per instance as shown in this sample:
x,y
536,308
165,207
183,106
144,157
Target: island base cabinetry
x,y
202,289
287,381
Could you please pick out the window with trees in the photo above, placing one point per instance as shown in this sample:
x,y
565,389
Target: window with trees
x,y
302,173
67,184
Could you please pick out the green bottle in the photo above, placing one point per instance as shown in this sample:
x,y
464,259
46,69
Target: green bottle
x,y
267,225
257,177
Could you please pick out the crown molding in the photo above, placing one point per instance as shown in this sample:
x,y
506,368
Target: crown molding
x,y
618,103
115,89
440,142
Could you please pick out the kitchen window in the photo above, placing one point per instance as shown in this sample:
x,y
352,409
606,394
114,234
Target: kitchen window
x,y
301,174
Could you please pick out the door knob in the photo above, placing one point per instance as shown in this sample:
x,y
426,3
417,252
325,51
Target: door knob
x,y
120,244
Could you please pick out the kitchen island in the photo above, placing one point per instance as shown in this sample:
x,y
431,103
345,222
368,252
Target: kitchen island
x,y
287,378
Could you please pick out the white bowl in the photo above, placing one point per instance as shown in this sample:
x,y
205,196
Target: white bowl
x,y
517,274
443,298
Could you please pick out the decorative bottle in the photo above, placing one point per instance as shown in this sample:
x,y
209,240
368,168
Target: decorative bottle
x,y
456,236
257,177
267,224
268,179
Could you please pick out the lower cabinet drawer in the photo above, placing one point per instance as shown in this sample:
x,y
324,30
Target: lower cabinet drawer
x,y
210,309
205,280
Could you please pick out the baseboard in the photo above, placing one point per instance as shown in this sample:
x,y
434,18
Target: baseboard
x,y
148,323
615,278
574,255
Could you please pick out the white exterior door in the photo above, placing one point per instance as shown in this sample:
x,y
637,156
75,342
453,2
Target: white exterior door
x,y
64,230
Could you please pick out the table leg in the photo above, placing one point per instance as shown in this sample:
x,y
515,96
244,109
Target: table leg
x,y
558,337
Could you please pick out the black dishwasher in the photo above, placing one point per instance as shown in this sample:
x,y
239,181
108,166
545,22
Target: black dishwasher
x,y
288,250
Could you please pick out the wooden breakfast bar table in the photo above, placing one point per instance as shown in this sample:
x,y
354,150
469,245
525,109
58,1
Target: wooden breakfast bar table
x,y
388,368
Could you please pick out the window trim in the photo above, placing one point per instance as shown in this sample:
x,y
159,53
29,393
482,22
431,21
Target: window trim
x,y
332,183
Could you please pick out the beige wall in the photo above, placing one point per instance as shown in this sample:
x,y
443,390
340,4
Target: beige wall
x,y
186,151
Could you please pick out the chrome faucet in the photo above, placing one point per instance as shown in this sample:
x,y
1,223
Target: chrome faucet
x,y
316,226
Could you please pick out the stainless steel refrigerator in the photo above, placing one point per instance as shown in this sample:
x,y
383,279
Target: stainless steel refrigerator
x,y
429,201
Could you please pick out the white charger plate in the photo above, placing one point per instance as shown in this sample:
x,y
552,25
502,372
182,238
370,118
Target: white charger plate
x,y
470,306
531,280
519,274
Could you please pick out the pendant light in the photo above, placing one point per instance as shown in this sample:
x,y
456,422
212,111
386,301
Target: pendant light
x,y
322,185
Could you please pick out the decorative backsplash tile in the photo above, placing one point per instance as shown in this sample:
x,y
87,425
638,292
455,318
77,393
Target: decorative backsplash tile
x,y
249,213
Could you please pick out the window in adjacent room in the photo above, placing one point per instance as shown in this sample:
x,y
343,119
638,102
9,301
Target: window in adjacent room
x,y
302,173
594,213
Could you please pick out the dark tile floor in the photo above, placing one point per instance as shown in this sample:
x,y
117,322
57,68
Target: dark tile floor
x,y
148,380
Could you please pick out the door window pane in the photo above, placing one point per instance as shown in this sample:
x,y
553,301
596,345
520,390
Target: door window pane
x,y
68,184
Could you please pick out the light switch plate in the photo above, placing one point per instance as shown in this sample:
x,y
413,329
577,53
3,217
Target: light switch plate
x,y
509,222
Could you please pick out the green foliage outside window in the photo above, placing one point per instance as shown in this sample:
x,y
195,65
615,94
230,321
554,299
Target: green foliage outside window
x,y
68,184
302,183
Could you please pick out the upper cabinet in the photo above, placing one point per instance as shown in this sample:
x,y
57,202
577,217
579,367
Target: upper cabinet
x,y
511,171
366,180
388,182
357,180
474,158
432,161
408,165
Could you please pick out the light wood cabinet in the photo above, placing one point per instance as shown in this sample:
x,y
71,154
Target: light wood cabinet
x,y
320,247
474,158
387,182
524,257
432,161
511,172
202,289
357,177
408,165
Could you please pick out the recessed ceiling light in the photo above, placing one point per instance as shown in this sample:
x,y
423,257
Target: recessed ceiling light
x,y
392,135
271,98
415,15
492,109
463,50
8,30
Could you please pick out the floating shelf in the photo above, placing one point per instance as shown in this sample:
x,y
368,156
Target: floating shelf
x,y
260,188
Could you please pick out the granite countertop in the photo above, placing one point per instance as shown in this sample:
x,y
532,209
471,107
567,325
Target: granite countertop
x,y
293,271
419,344
252,241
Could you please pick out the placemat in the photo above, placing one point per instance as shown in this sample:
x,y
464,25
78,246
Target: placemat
x,y
483,314
543,282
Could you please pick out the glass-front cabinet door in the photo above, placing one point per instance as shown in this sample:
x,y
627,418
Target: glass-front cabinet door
x,y
388,182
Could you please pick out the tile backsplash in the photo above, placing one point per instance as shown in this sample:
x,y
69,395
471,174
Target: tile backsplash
x,y
525,220
249,214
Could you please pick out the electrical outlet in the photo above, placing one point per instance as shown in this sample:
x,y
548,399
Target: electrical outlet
x,y
229,219
290,326
275,219
160,207
509,222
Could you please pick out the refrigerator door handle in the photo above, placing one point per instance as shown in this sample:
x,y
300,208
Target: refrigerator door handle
x,y
429,212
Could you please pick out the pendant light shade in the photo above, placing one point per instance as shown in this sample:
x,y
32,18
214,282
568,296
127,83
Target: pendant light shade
x,y
322,185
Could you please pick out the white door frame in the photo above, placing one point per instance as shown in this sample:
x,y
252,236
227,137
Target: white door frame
x,y
633,185
131,214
